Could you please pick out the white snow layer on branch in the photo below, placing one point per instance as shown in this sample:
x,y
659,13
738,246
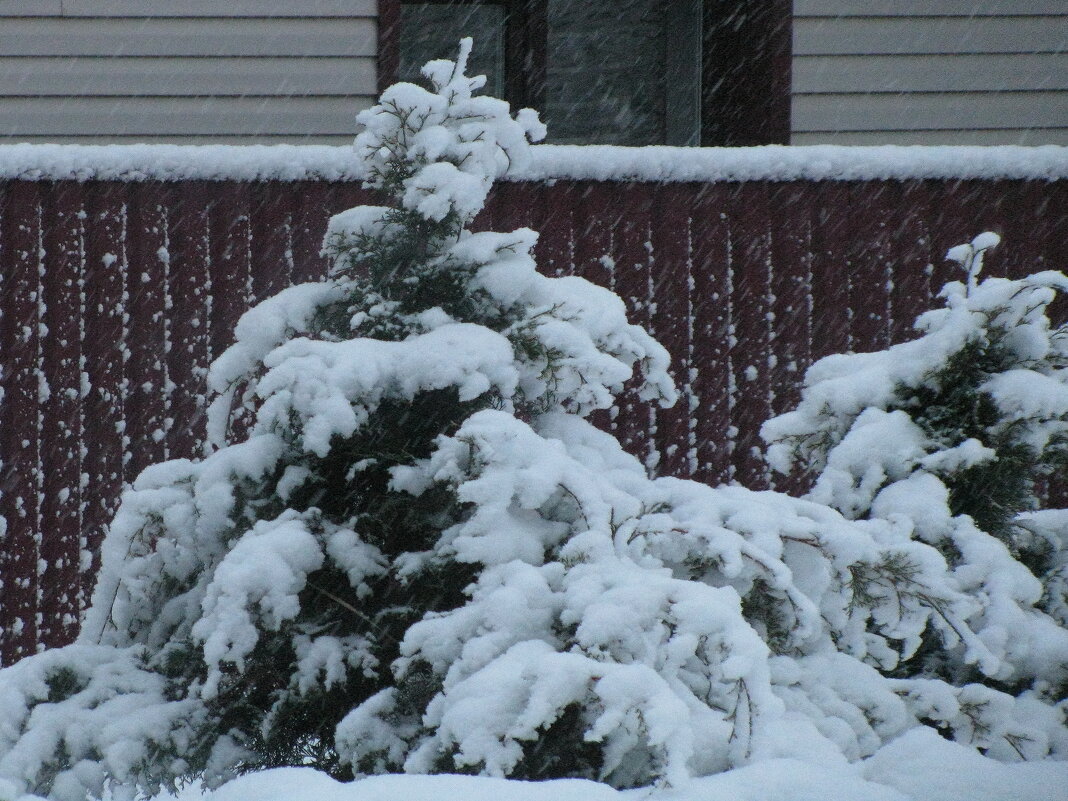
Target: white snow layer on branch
x,y
458,143
104,710
872,461
839,388
330,388
631,599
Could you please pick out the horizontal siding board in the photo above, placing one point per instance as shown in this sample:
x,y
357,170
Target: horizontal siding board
x,y
54,76
868,112
81,116
830,36
926,8
344,139
188,37
1030,137
214,8
952,73
30,8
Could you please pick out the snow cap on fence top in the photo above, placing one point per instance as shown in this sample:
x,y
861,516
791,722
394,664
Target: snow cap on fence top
x,y
547,162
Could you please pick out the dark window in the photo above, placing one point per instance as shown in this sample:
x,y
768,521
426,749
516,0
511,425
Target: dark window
x,y
431,30
624,72
628,72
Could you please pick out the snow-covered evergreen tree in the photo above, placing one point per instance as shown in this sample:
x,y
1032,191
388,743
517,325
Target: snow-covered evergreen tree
x,y
411,552
949,436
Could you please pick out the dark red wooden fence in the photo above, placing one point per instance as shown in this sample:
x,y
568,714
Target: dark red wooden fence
x,y
116,297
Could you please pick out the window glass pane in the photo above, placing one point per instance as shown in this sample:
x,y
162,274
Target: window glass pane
x,y
605,81
434,30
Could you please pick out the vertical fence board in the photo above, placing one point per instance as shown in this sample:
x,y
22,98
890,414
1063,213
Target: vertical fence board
x,y
22,412
309,226
998,203
1057,246
950,225
791,287
106,354
520,205
959,211
751,257
671,317
1023,247
910,239
555,252
711,308
789,204
1028,238
271,213
231,261
868,260
593,256
189,283
61,440
486,220
1057,259
150,392
633,255
10,433
830,278
230,257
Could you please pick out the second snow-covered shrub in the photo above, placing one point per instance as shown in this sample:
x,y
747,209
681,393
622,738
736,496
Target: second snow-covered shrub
x,y
947,437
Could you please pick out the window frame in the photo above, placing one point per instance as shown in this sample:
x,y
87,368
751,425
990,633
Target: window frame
x,y
526,34
728,77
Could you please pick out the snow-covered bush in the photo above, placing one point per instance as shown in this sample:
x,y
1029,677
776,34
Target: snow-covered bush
x,y
948,436
411,552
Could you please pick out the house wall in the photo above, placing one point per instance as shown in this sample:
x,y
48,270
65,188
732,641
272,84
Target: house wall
x,y
197,70
930,72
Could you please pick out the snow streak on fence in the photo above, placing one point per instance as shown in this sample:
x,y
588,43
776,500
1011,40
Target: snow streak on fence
x,y
116,296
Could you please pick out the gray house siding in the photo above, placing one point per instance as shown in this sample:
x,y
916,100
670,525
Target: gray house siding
x,y
930,72
194,71
244,71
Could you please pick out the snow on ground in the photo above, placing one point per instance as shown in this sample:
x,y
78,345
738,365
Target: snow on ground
x,y
590,162
918,766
